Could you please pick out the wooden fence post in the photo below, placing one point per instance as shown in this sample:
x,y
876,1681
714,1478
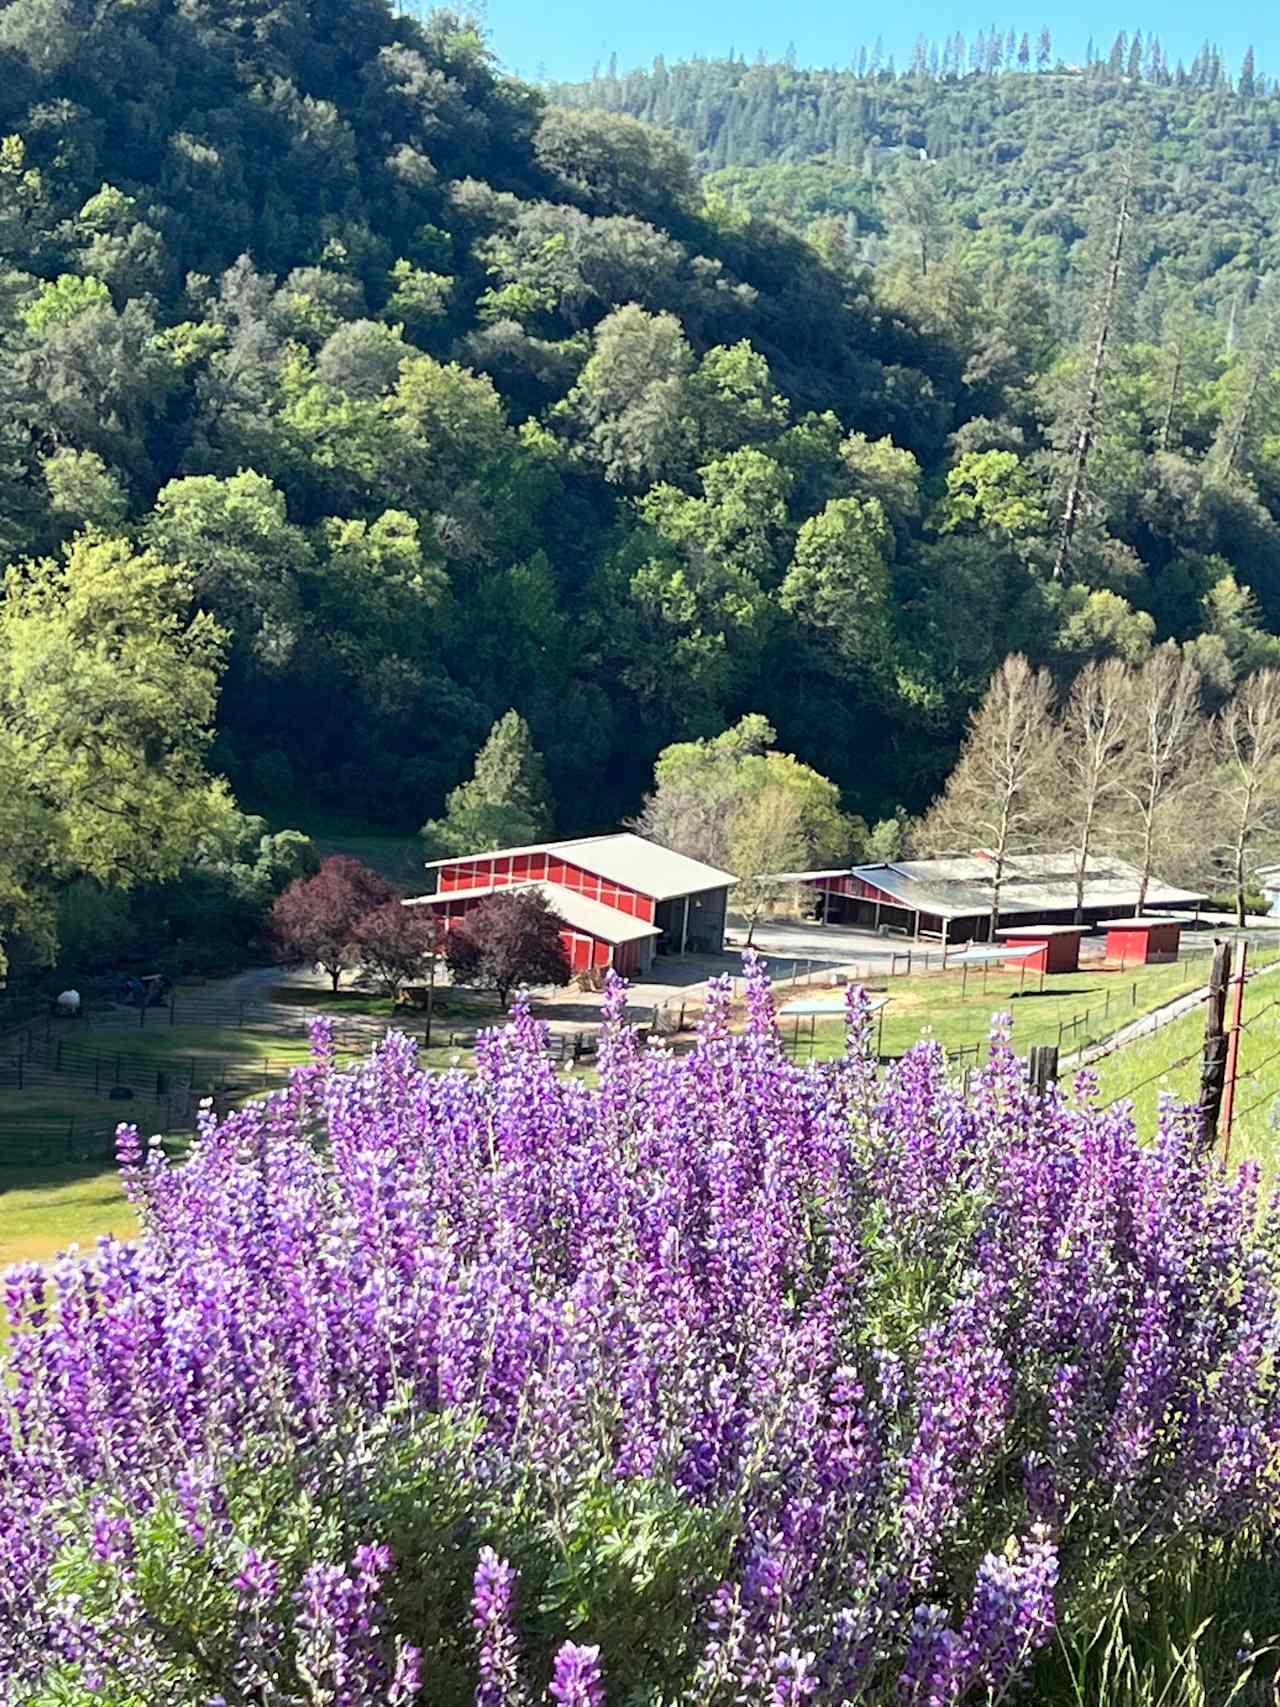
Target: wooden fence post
x,y
1233,1044
1043,1067
1213,1071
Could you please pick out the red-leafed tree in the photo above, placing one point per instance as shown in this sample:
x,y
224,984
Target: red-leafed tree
x,y
316,919
509,939
395,943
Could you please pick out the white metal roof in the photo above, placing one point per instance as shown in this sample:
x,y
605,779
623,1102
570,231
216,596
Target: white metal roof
x,y
804,876
961,888
984,956
577,911
624,858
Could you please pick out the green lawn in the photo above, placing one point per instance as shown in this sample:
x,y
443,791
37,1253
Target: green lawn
x,y
1072,1009
398,856
448,1005
1145,1069
43,1210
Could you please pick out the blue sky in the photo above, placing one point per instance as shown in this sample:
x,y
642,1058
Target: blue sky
x,y
565,37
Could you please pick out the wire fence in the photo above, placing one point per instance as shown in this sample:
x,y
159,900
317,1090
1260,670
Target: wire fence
x,y
1220,1060
90,1060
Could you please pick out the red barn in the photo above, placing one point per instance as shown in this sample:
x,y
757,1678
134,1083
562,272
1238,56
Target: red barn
x,y
622,898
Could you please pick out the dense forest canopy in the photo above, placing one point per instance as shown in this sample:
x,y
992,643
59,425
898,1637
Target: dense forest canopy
x,y
1018,138
447,400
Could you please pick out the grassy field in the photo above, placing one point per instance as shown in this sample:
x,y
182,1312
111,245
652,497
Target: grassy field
x,y
43,1210
1169,1062
1073,1008
398,857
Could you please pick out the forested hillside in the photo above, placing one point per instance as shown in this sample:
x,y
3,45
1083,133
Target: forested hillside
x,y
1017,153
418,382
447,401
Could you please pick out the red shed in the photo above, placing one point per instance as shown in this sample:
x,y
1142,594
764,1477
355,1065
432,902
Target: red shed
x,y
1138,942
1058,945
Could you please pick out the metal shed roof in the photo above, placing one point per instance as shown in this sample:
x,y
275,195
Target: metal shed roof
x,y
577,911
961,887
624,858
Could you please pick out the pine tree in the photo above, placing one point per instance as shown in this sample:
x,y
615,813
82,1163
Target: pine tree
x,y
1024,53
505,803
1249,387
1135,58
1116,63
1248,78
1044,50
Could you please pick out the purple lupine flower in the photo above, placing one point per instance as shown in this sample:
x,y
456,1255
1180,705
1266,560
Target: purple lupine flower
x,y
492,1604
849,1307
576,1681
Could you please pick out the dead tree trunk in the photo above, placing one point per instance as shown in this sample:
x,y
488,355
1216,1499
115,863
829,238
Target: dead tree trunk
x,y
1175,381
1087,431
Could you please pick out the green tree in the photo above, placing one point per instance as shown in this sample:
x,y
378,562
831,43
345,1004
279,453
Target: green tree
x,y
722,801
612,164
505,803
631,410
244,555
59,303
839,581
107,695
84,490
733,398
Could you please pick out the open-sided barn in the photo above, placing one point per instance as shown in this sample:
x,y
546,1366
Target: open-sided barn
x,y
622,898
951,897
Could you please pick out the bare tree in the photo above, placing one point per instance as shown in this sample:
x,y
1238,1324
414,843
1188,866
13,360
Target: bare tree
x,y
766,836
1105,310
1245,782
691,815
1249,384
1001,796
1177,333
1166,753
1097,734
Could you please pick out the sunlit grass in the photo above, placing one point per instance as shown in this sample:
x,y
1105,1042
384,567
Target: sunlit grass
x,y
45,1209
1073,1009
1145,1070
